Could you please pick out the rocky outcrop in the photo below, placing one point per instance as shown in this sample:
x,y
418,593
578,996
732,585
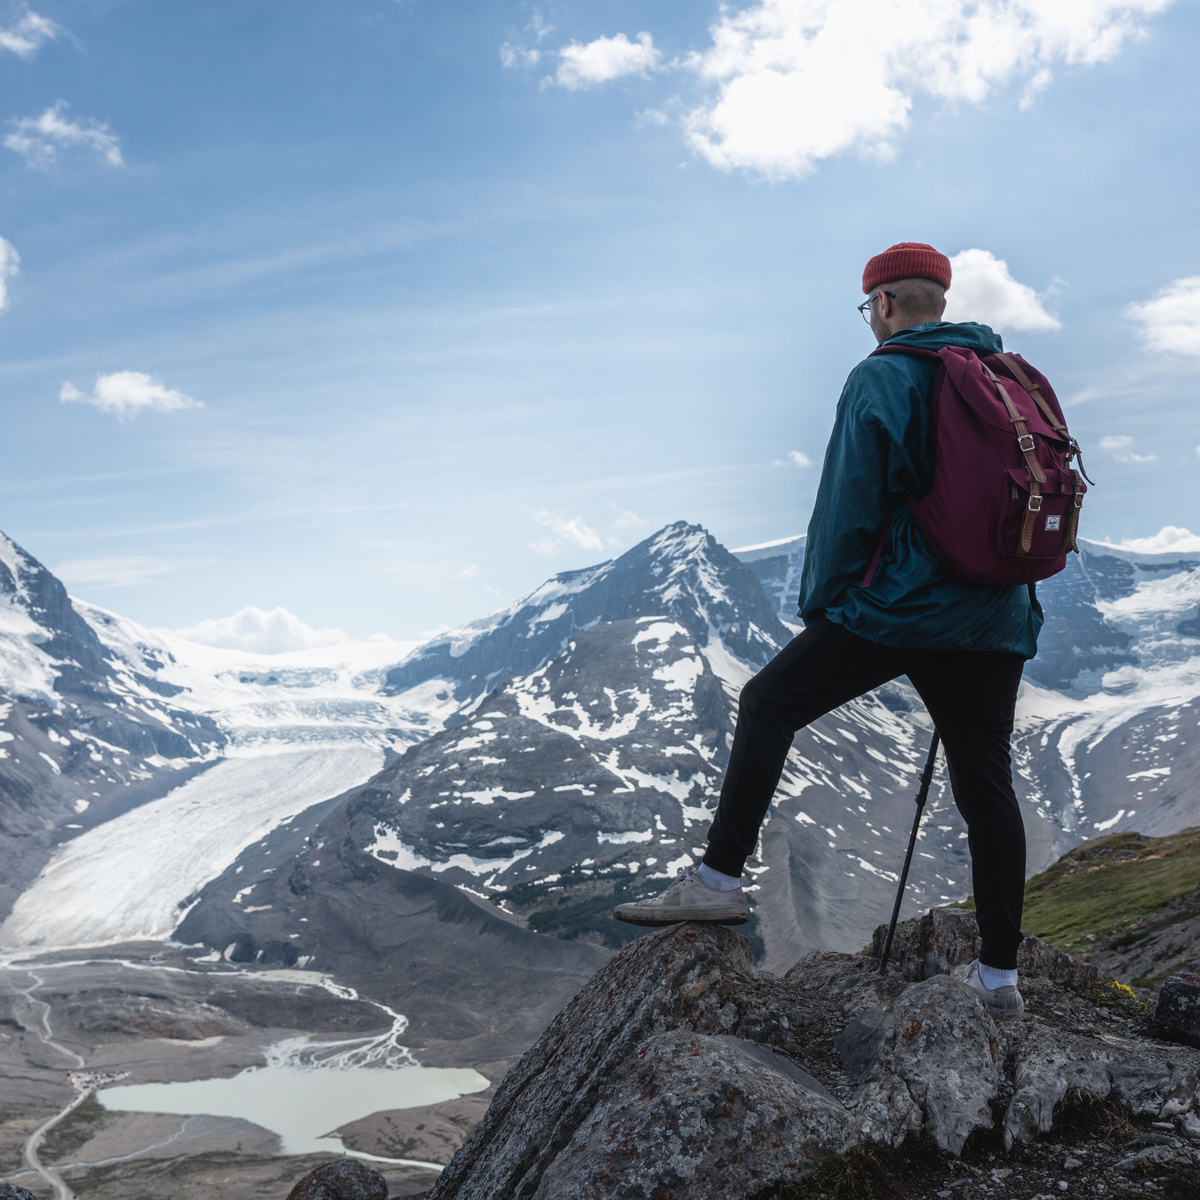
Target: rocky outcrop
x,y
1178,1009
342,1180
10,1191
681,1071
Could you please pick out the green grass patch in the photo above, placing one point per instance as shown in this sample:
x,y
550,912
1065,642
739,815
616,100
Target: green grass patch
x,y
1108,884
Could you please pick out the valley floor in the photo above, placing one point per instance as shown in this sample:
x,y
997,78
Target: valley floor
x,y
69,1021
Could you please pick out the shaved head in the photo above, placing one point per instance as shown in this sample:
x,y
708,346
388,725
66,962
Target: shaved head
x,y
919,299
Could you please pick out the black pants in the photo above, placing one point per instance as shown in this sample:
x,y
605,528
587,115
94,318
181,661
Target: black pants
x,y
970,696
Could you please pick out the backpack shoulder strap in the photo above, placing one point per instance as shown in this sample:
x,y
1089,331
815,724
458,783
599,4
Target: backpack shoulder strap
x,y
1015,370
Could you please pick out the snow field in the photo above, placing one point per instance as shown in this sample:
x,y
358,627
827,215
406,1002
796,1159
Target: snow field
x,y
129,878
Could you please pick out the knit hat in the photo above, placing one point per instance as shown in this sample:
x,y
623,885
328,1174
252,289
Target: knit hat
x,y
906,260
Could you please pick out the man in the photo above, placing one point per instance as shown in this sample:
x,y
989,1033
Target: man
x,y
876,605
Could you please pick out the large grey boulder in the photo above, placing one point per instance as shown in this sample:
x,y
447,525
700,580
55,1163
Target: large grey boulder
x,y
1178,1007
345,1179
930,1062
680,1071
10,1191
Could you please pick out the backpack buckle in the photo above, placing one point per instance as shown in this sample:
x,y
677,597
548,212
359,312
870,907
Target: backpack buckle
x,y
1025,437
1078,499
1035,507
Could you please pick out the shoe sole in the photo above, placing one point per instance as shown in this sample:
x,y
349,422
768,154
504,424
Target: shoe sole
x,y
658,922
1004,1014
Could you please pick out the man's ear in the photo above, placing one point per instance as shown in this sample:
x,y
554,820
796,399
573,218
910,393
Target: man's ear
x,y
942,310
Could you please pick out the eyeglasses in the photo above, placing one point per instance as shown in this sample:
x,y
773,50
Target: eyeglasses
x,y
865,306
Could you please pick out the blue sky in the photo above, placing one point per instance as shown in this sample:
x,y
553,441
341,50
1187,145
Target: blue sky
x,y
383,312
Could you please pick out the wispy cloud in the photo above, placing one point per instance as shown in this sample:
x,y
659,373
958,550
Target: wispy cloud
x,y
9,266
512,54
127,393
515,54
40,139
983,289
263,631
1171,320
574,531
795,458
127,571
26,35
1120,446
587,64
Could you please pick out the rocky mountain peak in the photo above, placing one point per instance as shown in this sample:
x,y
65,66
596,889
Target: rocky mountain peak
x,y
40,612
681,572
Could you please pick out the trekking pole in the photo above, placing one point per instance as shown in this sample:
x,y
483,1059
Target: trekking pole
x,y
922,795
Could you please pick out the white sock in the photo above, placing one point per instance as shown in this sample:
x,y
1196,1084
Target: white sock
x,y
993,977
717,881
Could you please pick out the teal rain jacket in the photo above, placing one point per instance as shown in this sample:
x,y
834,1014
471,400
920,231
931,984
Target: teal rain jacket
x,y
880,452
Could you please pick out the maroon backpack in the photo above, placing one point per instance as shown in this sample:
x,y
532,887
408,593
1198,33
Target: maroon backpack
x,y
1004,506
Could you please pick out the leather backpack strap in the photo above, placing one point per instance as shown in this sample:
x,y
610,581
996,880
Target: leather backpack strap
x,y
1024,437
1019,374
1070,541
1033,469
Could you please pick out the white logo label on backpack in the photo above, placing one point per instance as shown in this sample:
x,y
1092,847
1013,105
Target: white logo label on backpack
x,y
1053,524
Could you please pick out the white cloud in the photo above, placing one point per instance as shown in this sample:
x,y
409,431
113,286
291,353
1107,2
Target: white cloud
x,y
800,80
1171,321
127,393
39,139
263,631
982,289
795,458
9,265
1168,538
27,34
96,573
585,65
574,530
1120,446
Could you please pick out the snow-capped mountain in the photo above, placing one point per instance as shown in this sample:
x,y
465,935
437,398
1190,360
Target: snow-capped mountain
x,y
681,572
600,762
200,752
595,772
566,752
81,736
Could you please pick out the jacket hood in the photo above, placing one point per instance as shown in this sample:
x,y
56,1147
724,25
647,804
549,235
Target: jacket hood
x,y
933,335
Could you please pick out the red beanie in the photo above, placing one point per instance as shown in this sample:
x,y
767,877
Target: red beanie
x,y
906,260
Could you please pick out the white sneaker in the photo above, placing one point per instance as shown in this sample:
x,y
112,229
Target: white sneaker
x,y
689,898
1002,1003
